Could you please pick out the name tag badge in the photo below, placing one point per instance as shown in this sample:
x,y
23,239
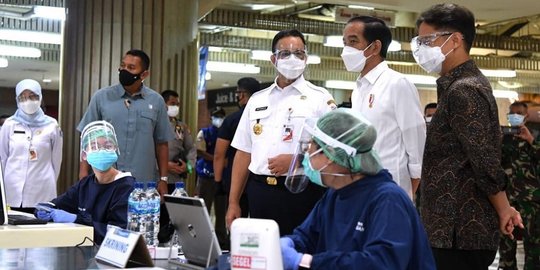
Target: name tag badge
x,y
261,108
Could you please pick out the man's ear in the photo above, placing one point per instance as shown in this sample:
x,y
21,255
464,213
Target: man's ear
x,y
273,59
83,155
145,74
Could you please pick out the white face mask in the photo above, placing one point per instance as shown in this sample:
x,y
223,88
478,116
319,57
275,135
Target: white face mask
x,y
172,111
429,58
428,119
217,121
30,106
291,68
354,59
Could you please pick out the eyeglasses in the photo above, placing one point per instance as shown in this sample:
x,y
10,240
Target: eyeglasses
x,y
33,97
107,146
285,54
428,40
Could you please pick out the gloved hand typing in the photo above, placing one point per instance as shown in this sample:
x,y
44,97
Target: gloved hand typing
x,y
43,210
61,216
43,215
291,257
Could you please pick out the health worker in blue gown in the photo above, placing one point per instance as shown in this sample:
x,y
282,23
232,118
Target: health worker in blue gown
x,y
364,220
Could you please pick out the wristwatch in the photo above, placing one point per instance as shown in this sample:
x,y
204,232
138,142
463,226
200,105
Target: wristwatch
x,y
164,178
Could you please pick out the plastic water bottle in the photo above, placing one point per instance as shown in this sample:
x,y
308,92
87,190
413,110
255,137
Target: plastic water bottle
x,y
179,190
133,215
154,202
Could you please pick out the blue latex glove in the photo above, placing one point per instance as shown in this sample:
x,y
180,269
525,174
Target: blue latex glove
x,y
291,257
43,215
61,216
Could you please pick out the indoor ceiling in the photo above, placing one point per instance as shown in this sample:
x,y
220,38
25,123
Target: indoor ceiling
x,y
495,18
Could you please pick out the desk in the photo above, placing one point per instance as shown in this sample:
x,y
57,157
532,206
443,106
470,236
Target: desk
x,y
60,258
48,235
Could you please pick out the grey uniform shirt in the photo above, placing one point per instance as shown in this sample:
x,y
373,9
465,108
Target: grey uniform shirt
x,y
140,122
182,147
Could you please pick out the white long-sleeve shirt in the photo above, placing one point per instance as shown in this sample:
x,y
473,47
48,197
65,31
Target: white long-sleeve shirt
x,y
31,159
391,102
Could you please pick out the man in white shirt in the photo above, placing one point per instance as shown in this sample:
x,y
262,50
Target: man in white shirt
x,y
387,99
267,135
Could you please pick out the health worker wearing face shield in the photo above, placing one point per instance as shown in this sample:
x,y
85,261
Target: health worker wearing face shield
x,y
464,204
30,150
100,198
266,137
364,219
387,99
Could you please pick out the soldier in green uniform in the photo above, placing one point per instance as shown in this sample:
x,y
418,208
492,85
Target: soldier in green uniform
x,y
520,160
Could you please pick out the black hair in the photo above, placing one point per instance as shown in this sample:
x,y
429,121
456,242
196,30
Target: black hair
x,y
218,111
168,93
4,116
144,57
519,103
432,105
287,33
249,84
375,29
450,17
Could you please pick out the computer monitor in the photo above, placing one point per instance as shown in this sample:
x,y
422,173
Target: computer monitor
x,y
3,205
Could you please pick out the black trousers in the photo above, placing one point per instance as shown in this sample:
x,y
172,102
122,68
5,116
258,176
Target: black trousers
x,y
276,202
452,259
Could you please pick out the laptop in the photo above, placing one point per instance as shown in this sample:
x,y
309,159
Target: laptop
x,y
13,219
195,230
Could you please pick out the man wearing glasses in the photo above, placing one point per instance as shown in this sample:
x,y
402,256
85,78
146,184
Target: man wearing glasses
x,y
267,133
387,99
463,200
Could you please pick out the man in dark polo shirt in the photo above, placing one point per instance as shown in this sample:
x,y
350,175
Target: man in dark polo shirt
x,y
224,153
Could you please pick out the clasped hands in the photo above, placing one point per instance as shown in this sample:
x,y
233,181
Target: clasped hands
x,y
45,211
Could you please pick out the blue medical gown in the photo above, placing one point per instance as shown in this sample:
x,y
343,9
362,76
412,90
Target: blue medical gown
x,y
369,224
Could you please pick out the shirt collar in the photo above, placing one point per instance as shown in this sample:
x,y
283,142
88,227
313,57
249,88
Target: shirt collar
x,y
374,74
122,93
299,84
446,80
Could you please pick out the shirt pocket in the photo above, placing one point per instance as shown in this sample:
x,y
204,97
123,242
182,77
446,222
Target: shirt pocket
x,y
146,121
297,119
260,123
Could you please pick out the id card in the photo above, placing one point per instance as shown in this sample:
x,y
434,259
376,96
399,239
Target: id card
x,y
32,154
287,133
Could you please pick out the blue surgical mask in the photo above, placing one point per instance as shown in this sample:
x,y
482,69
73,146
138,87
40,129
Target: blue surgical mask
x,y
515,119
313,175
101,160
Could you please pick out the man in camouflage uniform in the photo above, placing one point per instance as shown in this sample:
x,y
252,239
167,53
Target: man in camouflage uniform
x,y
520,160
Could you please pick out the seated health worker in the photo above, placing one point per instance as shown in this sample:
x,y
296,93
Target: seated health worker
x,y
364,220
100,198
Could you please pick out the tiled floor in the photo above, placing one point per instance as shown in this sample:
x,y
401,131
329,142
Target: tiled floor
x,y
520,257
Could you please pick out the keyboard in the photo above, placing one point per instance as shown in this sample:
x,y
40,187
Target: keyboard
x,y
24,220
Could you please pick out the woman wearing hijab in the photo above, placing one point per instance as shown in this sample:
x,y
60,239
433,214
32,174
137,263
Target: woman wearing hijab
x,y
30,150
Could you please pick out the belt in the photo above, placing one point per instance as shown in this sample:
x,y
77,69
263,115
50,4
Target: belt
x,y
270,180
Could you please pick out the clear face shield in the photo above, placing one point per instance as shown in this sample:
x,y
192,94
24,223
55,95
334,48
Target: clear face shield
x,y
297,180
98,136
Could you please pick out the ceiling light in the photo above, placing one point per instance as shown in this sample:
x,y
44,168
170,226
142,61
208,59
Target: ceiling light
x,y
9,50
265,56
232,67
208,76
53,13
3,62
261,6
333,41
502,73
361,7
337,41
421,79
215,49
511,95
30,36
510,85
340,84
46,80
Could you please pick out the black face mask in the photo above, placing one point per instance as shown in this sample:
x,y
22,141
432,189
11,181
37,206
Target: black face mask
x,y
127,78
